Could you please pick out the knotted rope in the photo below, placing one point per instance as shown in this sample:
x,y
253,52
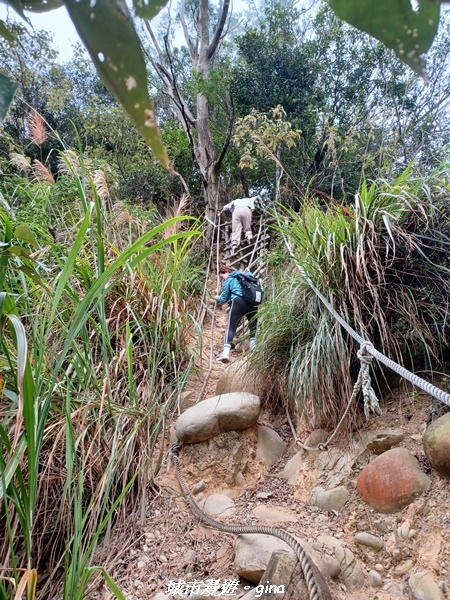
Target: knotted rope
x,y
371,402
363,383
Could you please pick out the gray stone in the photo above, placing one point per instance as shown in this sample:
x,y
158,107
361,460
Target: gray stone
x,y
375,579
279,572
250,595
186,400
273,514
351,575
394,589
380,441
292,468
270,447
218,504
239,480
253,552
436,444
404,568
330,542
218,414
423,587
199,487
333,499
369,540
329,567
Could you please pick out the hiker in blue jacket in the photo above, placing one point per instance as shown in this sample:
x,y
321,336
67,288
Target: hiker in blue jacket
x,y
232,291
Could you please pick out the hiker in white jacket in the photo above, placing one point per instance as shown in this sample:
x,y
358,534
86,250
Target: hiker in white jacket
x,y
241,219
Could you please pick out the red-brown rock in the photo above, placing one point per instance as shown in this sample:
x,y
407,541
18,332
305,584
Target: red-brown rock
x,y
392,481
436,444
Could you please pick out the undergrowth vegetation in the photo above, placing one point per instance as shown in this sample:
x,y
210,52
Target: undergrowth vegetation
x,y
95,324
382,262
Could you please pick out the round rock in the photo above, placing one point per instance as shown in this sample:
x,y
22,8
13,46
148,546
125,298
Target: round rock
x,y
436,445
226,412
392,481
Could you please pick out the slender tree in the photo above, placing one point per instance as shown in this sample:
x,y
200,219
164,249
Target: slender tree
x,y
203,38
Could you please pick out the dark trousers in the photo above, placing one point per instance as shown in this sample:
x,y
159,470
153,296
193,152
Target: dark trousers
x,y
240,308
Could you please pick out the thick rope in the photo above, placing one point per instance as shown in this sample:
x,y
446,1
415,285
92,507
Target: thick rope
x,y
317,587
427,387
370,401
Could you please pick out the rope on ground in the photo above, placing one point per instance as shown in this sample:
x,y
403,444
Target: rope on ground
x,y
427,387
316,584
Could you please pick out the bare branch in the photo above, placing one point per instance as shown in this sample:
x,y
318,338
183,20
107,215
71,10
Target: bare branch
x,y
189,41
178,99
183,182
219,30
154,41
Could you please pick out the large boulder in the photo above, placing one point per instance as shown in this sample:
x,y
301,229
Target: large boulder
x,y
392,481
436,445
226,412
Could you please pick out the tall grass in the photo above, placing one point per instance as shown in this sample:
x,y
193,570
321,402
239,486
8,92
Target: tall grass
x,y
92,358
382,262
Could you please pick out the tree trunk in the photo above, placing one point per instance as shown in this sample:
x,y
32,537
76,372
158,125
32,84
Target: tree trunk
x,y
202,51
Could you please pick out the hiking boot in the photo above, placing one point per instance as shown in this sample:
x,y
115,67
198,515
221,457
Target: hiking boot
x,y
249,237
224,356
234,248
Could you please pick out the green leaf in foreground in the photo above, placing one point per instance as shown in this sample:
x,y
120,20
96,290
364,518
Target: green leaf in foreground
x,y
108,33
24,233
6,33
7,91
408,32
148,8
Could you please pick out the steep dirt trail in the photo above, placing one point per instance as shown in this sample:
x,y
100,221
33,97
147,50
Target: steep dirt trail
x,y
171,545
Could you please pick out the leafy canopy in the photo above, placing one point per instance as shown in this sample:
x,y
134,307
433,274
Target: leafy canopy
x,y
108,32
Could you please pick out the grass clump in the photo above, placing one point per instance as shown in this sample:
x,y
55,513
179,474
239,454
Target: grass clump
x,y
92,356
382,263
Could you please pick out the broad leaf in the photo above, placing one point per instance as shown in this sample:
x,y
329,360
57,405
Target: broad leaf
x,y
7,91
148,8
6,33
24,233
19,251
408,32
107,30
